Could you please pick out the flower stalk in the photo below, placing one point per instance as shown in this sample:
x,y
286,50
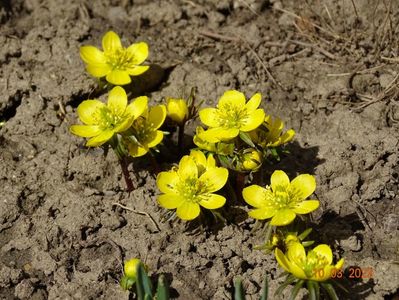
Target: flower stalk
x,y
180,138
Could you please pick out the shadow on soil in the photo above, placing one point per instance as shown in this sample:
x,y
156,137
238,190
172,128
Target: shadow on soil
x,y
297,160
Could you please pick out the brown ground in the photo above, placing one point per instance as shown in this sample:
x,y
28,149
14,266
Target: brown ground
x,y
334,79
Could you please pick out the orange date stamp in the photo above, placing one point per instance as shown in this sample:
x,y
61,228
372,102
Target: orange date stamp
x,y
351,273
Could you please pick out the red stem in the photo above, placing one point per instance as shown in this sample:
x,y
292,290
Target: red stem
x,y
126,175
180,137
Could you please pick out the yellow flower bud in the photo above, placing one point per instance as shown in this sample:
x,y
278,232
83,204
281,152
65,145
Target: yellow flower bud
x,y
291,238
252,160
177,110
130,267
275,240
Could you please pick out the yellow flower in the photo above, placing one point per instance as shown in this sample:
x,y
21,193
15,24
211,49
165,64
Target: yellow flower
x,y
177,110
252,159
145,131
274,135
283,200
115,62
192,185
218,148
291,238
231,116
203,163
103,121
316,265
130,267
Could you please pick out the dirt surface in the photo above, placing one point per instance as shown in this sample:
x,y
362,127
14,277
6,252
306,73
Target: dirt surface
x,y
330,69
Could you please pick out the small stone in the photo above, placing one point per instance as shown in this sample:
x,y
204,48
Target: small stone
x,y
24,289
201,285
386,80
352,243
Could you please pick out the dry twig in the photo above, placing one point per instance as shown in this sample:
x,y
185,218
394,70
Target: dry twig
x,y
143,213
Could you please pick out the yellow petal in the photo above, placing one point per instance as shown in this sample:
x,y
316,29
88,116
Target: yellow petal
x,y
177,110
167,181
306,207
170,201
200,143
253,121
187,168
253,103
100,139
111,42
156,138
118,77
283,217
323,273
136,150
209,116
137,107
130,268
340,264
232,98
157,116
188,211
210,162
297,271
287,136
199,159
137,70
303,185
215,135
117,101
125,125
98,70
87,111
214,179
282,260
85,130
262,213
139,52
254,195
325,251
209,136
92,56
213,201
279,179
296,252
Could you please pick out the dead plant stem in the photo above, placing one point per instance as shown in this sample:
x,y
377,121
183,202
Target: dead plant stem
x,y
143,213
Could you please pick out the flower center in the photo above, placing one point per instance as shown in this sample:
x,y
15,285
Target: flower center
x,y
107,119
313,263
232,116
282,198
192,190
143,129
120,59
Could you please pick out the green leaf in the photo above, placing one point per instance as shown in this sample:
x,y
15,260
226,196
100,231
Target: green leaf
x,y
311,289
143,285
304,234
224,161
275,154
317,289
265,291
127,282
296,289
246,139
307,243
290,279
339,285
238,290
162,288
330,290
